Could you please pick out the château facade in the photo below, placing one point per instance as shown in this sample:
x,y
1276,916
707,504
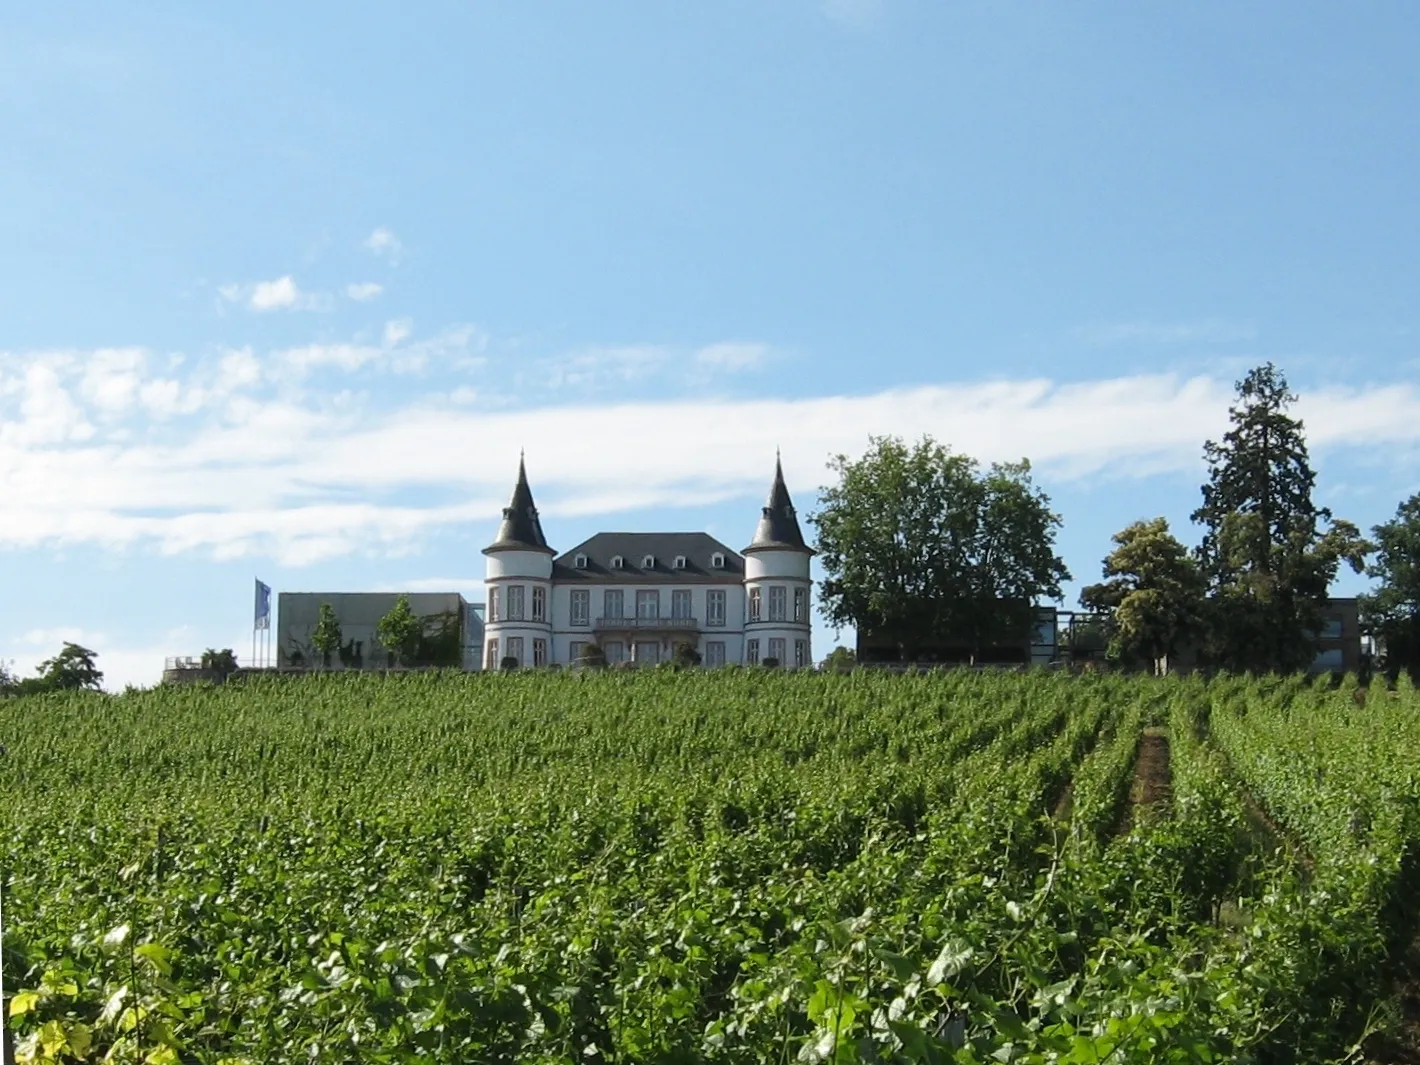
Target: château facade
x,y
639,595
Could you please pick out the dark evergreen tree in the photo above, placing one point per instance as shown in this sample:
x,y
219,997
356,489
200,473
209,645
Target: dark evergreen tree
x,y
1268,562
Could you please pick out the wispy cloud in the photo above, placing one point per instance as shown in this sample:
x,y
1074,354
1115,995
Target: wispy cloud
x,y
732,356
383,243
232,459
1211,331
363,290
277,295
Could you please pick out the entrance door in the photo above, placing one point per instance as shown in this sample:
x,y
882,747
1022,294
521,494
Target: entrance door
x,y
648,652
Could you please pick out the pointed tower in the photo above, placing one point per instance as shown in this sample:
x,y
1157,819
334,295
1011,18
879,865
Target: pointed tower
x,y
778,589
519,584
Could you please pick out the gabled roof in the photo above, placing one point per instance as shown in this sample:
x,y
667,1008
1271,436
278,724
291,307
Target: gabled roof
x,y
521,530
778,527
697,548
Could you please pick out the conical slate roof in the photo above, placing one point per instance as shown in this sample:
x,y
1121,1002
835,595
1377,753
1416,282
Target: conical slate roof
x,y
778,525
521,530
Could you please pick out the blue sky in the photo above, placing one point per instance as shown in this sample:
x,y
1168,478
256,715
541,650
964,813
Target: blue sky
x,y
285,289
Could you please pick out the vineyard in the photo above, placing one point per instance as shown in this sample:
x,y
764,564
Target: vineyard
x,y
745,866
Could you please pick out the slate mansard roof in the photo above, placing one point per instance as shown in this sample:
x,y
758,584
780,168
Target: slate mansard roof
x,y
697,548
778,524
521,529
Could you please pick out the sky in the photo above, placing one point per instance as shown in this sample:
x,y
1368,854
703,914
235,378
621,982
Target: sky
x,y
284,290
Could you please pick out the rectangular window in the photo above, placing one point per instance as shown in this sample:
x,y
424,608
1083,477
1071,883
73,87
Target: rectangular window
x,y
612,604
715,608
801,654
648,653
516,593
715,653
615,651
581,606
539,604
648,603
515,649
492,660
752,652
801,604
1331,628
778,600
495,596
776,651
575,649
680,603
754,604
539,652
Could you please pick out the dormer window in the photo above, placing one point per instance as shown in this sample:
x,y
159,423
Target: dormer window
x,y
649,562
679,562
580,562
617,562
717,560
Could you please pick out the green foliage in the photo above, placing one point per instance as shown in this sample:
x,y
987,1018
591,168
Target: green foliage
x,y
593,656
401,631
440,641
327,637
1153,594
737,866
1268,564
840,659
1392,611
919,544
71,669
223,663
685,656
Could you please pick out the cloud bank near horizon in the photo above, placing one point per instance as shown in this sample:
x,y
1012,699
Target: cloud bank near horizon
x,y
238,455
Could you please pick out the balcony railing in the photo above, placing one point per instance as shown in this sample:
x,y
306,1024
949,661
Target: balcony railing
x,y
649,624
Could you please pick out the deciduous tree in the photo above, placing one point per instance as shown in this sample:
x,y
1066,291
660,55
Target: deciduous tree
x,y
327,636
1268,563
73,668
400,631
1392,611
920,545
1153,594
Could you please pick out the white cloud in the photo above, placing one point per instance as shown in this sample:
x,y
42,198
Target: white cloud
x,y
48,413
384,243
363,290
397,330
111,378
238,369
306,477
602,367
731,356
271,295
279,294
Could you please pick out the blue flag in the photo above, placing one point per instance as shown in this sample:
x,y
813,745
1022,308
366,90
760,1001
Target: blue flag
x,y
263,606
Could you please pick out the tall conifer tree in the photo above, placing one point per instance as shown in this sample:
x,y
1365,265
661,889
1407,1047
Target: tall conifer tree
x,y
1268,562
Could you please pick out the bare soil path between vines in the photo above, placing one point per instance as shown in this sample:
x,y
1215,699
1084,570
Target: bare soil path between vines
x,y
1151,790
